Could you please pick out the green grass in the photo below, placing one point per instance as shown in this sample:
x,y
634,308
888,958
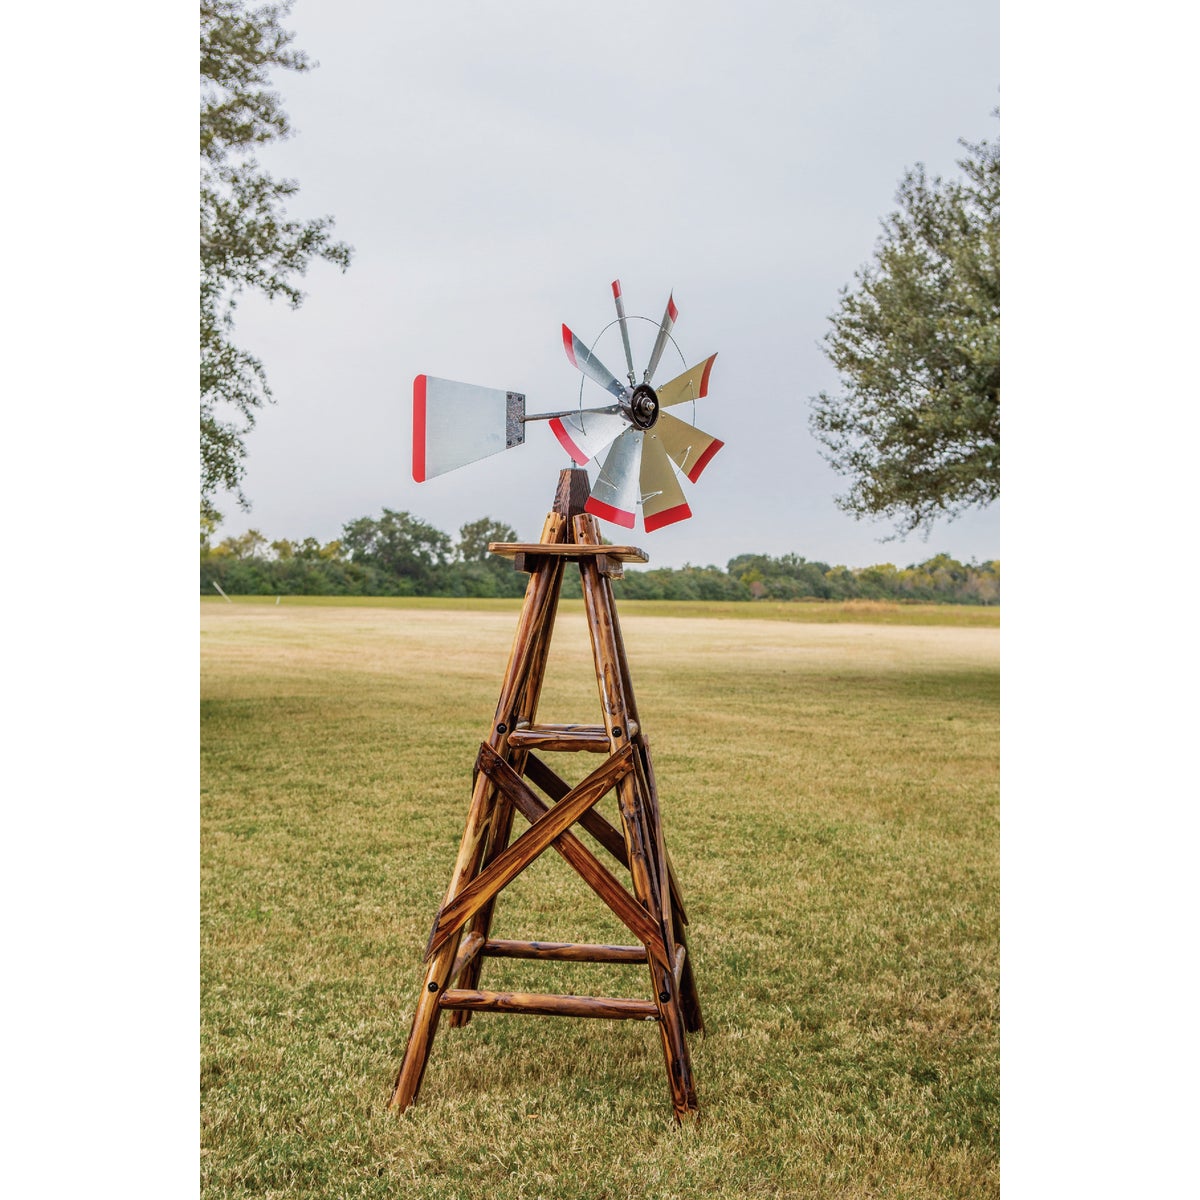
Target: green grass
x,y
830,800
818,612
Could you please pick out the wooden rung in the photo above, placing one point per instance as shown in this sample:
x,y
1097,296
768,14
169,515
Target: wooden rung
x,y
564,951
561,737
543,1005
593,738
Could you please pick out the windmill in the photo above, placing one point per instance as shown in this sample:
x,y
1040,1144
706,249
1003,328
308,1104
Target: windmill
x,y
455,424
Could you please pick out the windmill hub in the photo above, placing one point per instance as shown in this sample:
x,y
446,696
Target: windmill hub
x,y
643,406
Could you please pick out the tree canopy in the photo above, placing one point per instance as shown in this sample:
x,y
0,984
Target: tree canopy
x,y
916,426
475,536
247,240
399,544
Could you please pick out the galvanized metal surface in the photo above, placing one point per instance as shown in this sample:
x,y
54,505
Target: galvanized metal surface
x,y
462,423
618,484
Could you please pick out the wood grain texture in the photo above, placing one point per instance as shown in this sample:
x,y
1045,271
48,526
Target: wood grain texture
x,y
624,906
469,949
572,492
571,551
460,939
680,955
643,835
508,865
689,994
564,951
561,738
545,1005
612,839
526,655
528,664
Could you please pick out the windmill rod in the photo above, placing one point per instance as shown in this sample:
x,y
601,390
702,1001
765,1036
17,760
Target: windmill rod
x,y
568,412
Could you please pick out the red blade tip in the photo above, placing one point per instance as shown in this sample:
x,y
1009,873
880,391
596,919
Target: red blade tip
x,y
606,512
569,345
669,516
559,430
704,459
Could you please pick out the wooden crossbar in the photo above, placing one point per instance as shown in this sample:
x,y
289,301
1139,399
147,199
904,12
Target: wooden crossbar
x,y
562,738
564,951
571,551
543,1005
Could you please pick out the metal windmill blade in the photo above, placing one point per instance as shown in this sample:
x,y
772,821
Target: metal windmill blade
x,y
663,502
691,448
584,434
616,492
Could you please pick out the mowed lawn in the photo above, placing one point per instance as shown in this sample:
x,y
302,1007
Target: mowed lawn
x,y
830,796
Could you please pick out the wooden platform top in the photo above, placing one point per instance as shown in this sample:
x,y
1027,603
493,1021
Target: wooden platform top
x,y
569,550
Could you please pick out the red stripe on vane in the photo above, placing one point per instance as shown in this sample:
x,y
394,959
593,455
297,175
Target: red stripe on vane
x,y
569,345
559,430
702,461
617,288
668,516
418,457
606,512
672,311
704,379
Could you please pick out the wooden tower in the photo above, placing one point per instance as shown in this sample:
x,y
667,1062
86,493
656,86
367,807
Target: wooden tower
x,y
509,762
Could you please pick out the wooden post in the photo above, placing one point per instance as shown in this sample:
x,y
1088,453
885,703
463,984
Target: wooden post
x,y
461,939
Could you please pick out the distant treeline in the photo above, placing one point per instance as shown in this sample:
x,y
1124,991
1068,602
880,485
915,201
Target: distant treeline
x,y
399,555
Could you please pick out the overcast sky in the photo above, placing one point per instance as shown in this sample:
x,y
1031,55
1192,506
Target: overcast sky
x,y
496,167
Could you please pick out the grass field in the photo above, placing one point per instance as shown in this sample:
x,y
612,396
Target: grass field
x,y
830,795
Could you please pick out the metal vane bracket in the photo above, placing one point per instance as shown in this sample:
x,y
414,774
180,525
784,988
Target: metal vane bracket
x,y
514,419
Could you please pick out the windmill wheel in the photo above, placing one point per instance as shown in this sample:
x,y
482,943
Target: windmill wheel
x,y
642,439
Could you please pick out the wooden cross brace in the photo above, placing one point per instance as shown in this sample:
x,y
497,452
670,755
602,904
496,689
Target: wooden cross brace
x,y
548,828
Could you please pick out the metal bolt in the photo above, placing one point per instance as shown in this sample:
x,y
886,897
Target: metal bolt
x,y
433,987
502,728
664,996
617,731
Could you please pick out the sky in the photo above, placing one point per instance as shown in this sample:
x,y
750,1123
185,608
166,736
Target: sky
x,y
496,167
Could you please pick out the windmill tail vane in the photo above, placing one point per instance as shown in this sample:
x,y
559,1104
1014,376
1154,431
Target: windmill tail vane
x,y
455,424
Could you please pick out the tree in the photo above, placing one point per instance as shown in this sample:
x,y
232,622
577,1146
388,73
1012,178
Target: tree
x,y
473,538
247,241
399,544
250,544
917,348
